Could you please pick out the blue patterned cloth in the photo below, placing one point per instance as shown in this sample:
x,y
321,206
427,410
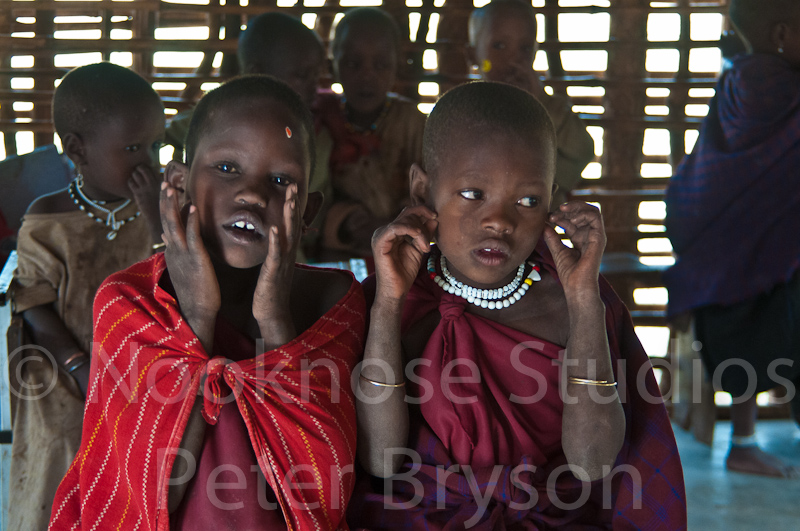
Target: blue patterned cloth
x,y
733,204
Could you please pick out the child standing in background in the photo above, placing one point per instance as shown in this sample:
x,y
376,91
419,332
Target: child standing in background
x,y
111,125
238,359
503,45
377,134
732,219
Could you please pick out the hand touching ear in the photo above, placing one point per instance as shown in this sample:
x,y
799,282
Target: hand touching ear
x,y
578,267
398,249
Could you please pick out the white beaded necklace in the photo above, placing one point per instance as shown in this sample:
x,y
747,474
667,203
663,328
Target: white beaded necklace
x,y
493,299
111,215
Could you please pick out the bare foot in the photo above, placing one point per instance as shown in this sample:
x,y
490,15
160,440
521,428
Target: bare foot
x,y
753,460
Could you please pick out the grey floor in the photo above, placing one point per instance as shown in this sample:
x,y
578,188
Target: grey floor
x,y
729,501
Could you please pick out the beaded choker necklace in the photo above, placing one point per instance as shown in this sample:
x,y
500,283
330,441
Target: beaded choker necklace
x,y
79,198
493,299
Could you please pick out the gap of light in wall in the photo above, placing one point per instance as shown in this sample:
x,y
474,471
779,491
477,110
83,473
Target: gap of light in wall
x,y
414,20
656,142
433,27
705,26
690,138
663,27
593,170
657,60
651,296
200,33
597,133
647,228
122,59
654,245
584,27
705,60
580,91
22,61
657,92
702,93
654,170
584,60
656,210
654,339
657,261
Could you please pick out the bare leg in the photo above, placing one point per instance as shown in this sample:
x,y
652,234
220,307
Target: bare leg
x,y
750,459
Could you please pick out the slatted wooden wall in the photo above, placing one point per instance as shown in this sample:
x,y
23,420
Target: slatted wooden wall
x,y
639,72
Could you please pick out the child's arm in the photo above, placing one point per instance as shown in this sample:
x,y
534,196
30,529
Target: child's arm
x,y
49,332
593,423
144,184
398,249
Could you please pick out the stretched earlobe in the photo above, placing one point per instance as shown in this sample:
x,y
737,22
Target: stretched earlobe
x,y
419,186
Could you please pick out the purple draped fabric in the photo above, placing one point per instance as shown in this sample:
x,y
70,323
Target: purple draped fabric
x,y
732,205
512,448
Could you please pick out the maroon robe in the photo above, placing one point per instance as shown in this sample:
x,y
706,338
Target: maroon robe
x,y
512,447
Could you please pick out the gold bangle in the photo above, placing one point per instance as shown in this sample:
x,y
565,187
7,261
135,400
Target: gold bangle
x,y
585,381
381,384
157,246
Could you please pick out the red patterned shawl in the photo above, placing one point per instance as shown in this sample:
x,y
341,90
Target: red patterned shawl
x,y
147,366
512,449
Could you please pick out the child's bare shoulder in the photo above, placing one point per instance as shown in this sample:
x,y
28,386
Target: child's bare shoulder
x,y
52,203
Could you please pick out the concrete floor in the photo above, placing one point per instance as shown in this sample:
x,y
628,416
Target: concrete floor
x,y
729,501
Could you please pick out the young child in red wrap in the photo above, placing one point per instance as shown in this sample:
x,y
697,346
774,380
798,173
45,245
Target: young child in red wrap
x,y
503,386
220,394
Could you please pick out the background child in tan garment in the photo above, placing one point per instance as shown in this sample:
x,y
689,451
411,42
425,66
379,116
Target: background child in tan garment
x,y
377,135
502,37
111,124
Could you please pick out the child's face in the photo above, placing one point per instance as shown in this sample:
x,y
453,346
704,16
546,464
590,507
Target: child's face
x,y
298,65
243,165
506,47
118,145
492,195
366,66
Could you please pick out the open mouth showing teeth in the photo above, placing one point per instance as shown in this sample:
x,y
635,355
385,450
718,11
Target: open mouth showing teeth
x,y
243,225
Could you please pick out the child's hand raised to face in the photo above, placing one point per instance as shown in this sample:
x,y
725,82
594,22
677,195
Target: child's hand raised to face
x,y
144,184
398,249
578,267
190,268
271,299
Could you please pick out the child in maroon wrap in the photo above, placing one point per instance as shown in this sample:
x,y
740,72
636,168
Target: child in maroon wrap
x,y
503,386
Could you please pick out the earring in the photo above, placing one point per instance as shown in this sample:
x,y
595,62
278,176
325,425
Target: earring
x,y
780,49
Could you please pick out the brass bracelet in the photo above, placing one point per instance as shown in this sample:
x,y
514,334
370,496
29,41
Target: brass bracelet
x,y
381,384
157,246
585,381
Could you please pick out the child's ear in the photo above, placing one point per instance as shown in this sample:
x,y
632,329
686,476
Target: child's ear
x,y
313,205
419,184
74,149
176,173
553,196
